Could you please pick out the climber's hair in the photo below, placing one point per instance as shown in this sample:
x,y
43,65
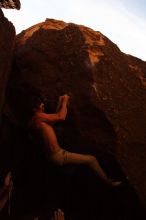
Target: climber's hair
x,y
33,103
36,100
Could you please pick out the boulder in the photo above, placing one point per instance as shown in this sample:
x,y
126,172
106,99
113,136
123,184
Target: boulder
x,y
107,110
7,40
10,4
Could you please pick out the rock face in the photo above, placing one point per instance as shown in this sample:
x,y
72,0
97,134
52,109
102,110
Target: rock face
x,y
10,4
7,39
107,111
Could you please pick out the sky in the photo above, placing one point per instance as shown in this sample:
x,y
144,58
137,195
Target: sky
x,y
122,21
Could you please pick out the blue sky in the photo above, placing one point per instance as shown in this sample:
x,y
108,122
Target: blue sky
x,y
122,21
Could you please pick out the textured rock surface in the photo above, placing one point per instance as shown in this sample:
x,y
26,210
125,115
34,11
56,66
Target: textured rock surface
x,y
7,38
10,4
107,112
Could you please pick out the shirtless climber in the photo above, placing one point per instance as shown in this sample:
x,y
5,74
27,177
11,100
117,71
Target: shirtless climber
x,y
41,123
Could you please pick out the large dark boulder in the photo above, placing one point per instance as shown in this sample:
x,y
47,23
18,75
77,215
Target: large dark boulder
x,y
107,111
7,39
